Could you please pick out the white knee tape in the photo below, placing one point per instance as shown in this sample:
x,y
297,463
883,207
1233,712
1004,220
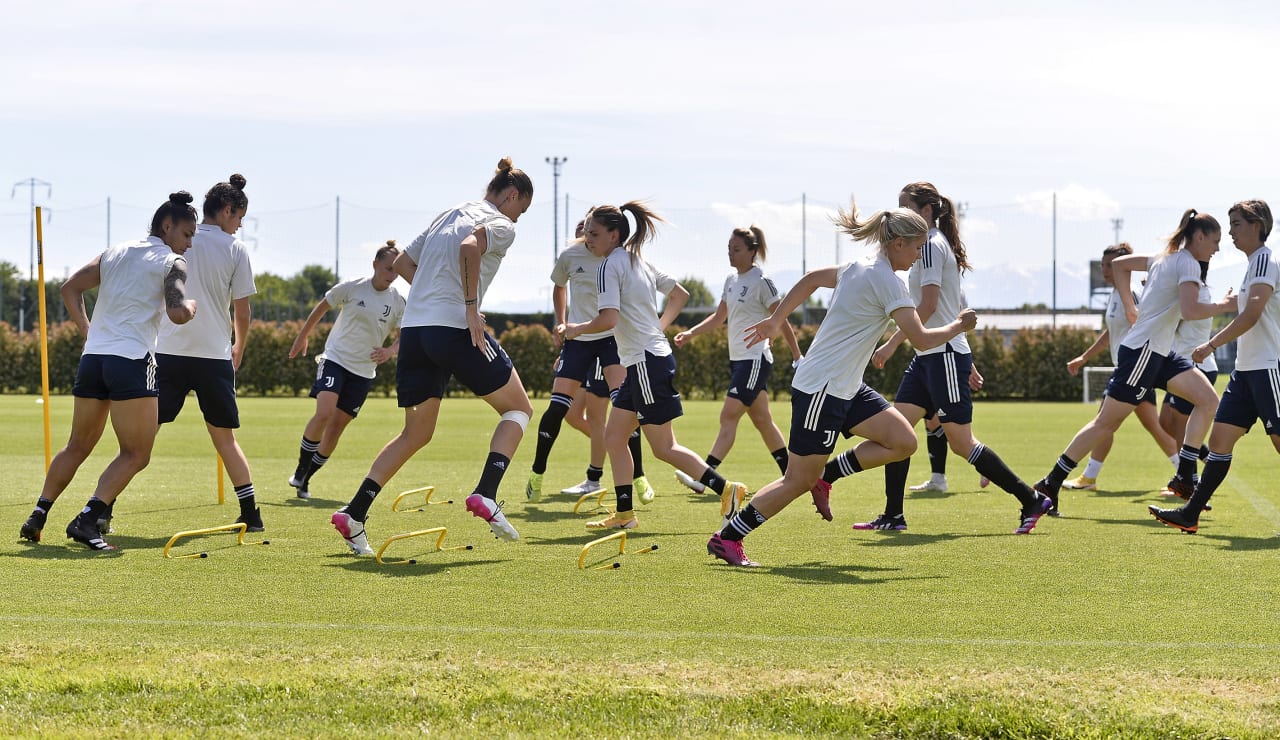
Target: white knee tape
x,y
518,417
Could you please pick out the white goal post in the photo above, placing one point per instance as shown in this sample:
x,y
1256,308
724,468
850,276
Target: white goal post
x,y
1095,383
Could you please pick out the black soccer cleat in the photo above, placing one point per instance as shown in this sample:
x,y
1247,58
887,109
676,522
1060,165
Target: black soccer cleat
x,y
87,534
31,528
1042,486
254,521
1176,518
1182,489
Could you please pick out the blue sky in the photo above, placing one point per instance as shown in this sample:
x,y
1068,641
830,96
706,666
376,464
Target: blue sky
x,y
720,114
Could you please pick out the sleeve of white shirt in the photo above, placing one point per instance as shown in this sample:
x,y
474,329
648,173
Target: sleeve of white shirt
x,y
500,233
414,250
340,294
242,279
1188,271
893,294
932,260
767,292
724,292
662,281
397,313
1262,271
609,283
560,273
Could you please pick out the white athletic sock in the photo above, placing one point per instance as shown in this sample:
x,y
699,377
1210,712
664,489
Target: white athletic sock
x,y
1174,459
1093,468
937,478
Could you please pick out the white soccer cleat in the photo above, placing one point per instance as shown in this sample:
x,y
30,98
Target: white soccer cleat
x,y
583,488
491,511
352,531
300,486
688,481
932,485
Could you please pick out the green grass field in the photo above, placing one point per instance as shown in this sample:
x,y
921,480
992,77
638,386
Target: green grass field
x,y
1100,624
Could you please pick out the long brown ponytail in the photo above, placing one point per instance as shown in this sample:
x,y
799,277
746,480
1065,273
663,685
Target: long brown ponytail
x,y
944,217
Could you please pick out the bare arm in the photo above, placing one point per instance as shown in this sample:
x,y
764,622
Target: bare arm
x,y
300,344
405,267
382,354
800,292
921,338
1257,301
1122,269
1193,309
469,253
1103,340
789,336
86,278
241,313
676,301
560,304
928,304
180,309
713,321
604,321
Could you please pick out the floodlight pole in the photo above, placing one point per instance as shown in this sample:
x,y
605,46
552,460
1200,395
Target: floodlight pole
x,y
1117,224
1055,260
556,163
31,183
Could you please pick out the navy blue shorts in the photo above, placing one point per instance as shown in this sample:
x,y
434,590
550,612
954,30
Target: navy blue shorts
x,y
430,355
1251,395
1182,405
649,390
1140,371
115,378
747,378
596,384
352,389
579,360
818,419
939,384
214,382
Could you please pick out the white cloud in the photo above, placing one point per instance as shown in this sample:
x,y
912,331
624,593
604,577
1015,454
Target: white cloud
x,y
1075,202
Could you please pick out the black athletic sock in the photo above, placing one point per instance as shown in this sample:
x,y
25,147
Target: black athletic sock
x,y
780,457
1188,457
245,496
317,462
895,485
495,466
713,461
1215,471
594,474
637,455
111,509
43,505
358,507
1204,452
742,524
1061,470
549,429
713,480
990,466
305,451
936,442
92,512
840,466
623,496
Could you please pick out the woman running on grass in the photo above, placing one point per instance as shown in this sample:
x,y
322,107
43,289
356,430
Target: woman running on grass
x,y
1190,334
828,396
1252,391
449,268
1116,325
647,397
576,277
369,311
748,298
1145,359
137,283
937,380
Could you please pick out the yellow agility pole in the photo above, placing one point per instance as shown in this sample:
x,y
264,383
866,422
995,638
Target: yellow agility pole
x,y
239,528
221,485
621,537
428,490
441,531
44,342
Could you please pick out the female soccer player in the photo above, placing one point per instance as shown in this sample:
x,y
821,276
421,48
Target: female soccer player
x,y
626,290
1116,326
748,298
937,380
1145,360
576,277
370,310
828,396
140,281
449,267
1190,334
1252,391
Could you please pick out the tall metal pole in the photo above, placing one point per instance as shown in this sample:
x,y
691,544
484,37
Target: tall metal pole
x,y
1117,224
108,222
31,183
1055,260
804,249
337,223
556,163
567,229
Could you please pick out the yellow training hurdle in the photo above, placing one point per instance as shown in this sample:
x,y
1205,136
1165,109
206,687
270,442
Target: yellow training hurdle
x,y
239,528
428,490
442,531
599,498
621,537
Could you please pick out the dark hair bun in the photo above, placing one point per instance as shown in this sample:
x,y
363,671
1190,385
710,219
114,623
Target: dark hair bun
x,y
181,197
504,165
237,181
391,242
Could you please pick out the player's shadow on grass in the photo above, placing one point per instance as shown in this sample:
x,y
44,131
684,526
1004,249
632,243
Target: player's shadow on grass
x,y
901,539
306,503
818,572
634,541
1137,495
1244,544
429,564
540,515
33,551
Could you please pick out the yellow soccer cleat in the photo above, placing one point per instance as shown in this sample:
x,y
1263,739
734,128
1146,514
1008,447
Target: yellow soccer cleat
x,y
619,520
1081,484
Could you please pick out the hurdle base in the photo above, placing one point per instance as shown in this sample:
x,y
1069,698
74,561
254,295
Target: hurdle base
x,y
440,531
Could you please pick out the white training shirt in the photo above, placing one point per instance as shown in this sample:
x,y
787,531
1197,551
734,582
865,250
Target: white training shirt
x,y
126,317
218,272
366,319
1192,334
1161,307
435,297
578,268
749,298
1259,348
1117,323
937,266
861,309
629,286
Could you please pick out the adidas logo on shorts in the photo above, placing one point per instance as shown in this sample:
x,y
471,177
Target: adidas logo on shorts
x,y
733,389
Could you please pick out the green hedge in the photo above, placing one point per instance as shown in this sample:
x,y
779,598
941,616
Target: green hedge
x,y
1031,367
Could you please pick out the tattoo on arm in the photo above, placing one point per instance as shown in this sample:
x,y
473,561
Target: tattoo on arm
x,y
175,284
466,289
